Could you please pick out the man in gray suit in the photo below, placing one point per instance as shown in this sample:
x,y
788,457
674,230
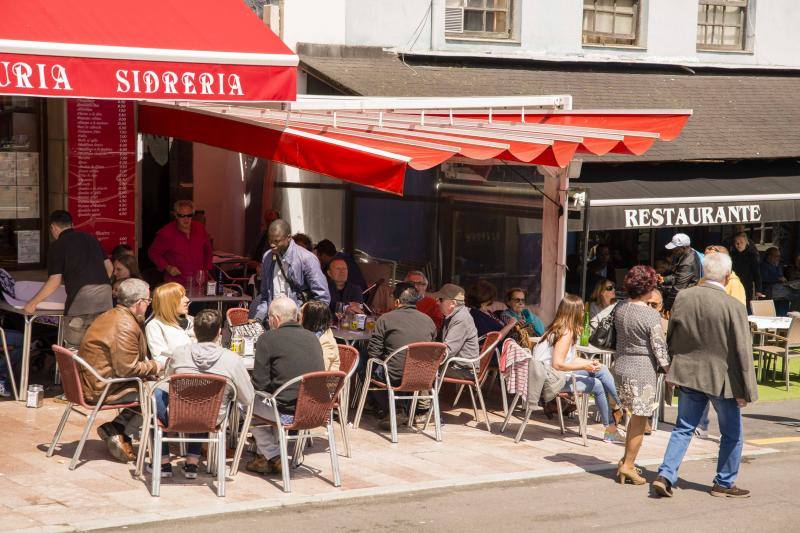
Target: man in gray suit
x,y
712,361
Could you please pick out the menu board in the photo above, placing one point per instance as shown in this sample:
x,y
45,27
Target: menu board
x,y
19,185
102,169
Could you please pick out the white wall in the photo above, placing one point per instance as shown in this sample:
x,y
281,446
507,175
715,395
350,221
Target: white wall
x,y
313,21
219,190
548,29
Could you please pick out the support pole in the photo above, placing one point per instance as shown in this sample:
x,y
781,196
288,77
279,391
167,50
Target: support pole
x,y
554,239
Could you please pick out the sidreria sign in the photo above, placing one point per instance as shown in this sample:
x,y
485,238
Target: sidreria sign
x,y
692,216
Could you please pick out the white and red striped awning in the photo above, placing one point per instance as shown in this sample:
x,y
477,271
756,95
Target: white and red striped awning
x,y
371,141
210,50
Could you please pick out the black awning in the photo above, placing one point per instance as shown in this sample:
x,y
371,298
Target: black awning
x,y
631,203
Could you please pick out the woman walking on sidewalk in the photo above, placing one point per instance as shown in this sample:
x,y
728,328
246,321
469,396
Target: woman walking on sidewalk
x,y
641,351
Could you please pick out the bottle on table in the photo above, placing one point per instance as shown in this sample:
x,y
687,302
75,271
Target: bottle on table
x,y
585,332
220,288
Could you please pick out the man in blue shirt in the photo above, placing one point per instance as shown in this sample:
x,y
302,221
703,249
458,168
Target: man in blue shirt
x,y
289,270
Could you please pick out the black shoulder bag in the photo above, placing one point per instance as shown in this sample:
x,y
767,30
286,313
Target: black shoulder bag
x,y
303,295
605,335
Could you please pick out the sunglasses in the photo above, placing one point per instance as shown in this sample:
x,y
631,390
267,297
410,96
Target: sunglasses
x,y
609,288
187,215
517,300
654,305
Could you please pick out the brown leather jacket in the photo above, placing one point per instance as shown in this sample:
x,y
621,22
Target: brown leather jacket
x,y
116,347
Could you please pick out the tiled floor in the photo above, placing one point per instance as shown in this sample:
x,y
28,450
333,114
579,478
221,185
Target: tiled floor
x,y
36,491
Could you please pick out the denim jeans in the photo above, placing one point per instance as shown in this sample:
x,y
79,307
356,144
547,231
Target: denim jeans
x,y
14,342
704,420
691,404
193,449
599,384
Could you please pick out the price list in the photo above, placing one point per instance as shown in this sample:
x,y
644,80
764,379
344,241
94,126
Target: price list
x,y
102,169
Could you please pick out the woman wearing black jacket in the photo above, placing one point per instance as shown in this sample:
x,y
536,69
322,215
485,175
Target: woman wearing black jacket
x,y
746,265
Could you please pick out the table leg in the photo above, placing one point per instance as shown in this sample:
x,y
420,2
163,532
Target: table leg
x,y
219,307
26,358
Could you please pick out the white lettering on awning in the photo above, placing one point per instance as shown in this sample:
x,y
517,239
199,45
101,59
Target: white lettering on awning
x,y
691,216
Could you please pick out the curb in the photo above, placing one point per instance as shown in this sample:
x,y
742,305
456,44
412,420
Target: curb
x,y
354,494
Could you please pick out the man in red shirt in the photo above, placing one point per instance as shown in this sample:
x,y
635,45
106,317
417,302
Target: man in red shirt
x,y
425,304
182,248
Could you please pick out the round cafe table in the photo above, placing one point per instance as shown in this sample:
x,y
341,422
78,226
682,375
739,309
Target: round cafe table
x,y
350,336
591,352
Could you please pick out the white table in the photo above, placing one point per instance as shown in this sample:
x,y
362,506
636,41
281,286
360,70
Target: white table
x,y
770,322
591,352
350,336
52,306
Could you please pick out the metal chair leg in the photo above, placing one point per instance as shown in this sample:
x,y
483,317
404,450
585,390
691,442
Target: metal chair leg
x,y
560,415
458,395
337,482
89,424
155,464
362,400
474,405
345,436
413,410
510,411
523,425
245,428
437,414
221,462
282,438
10,367
503,392
393,416
437,384
483,406
59,430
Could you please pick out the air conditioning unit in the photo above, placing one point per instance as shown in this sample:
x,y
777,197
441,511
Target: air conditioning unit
x,y
454,20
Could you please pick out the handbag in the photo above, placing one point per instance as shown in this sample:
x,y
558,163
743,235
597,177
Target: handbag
x,y
605,335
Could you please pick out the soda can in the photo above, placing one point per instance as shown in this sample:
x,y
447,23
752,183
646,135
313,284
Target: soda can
x,y
35,396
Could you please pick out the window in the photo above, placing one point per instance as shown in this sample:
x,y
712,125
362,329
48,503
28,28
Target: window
x,y
478,18
721,24
611,22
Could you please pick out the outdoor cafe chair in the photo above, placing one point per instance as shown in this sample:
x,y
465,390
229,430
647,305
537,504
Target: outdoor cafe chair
x,y
316,399
68,367
478,367
194,407
785,348
237,316
763,307
348,362
419,375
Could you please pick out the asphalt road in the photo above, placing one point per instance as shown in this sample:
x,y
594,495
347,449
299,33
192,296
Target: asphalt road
x,y
570,503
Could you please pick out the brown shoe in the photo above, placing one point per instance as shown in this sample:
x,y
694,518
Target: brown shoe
x,y
733,492
662,487
120,449
262,465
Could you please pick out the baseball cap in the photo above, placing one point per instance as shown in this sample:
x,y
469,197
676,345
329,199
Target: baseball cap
x,y
679,239
449,291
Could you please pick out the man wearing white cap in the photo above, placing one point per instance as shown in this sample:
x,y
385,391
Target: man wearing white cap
x,y
686,268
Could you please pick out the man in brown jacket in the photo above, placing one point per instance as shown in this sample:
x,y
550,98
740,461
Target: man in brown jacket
x,y
115,346
712,361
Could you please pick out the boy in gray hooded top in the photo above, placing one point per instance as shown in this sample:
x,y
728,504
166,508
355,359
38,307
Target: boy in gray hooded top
x,y
205,356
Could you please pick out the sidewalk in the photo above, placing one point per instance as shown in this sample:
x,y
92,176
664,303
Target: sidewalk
x,y
37,492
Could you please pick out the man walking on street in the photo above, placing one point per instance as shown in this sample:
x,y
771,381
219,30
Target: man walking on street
x,y
712,361
75,259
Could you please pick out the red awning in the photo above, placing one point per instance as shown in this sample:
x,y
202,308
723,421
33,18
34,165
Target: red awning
x,y
210,50
374,147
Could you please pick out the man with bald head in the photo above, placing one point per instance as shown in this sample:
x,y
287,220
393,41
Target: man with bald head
x,y
289,270
284,352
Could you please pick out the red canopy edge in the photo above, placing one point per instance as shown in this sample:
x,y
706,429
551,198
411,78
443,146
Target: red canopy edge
x,y
344,161
213,50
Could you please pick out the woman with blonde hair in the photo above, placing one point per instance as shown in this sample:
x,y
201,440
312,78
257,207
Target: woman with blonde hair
x,y
603,295
170,326
557,348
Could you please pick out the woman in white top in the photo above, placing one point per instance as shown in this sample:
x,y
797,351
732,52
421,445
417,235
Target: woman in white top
x,y
170,326
557,348
603,295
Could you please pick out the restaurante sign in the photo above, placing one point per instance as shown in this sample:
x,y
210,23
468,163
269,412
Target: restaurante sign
x,y
691,216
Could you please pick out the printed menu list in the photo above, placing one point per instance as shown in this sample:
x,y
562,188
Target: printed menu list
x,y
102,169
